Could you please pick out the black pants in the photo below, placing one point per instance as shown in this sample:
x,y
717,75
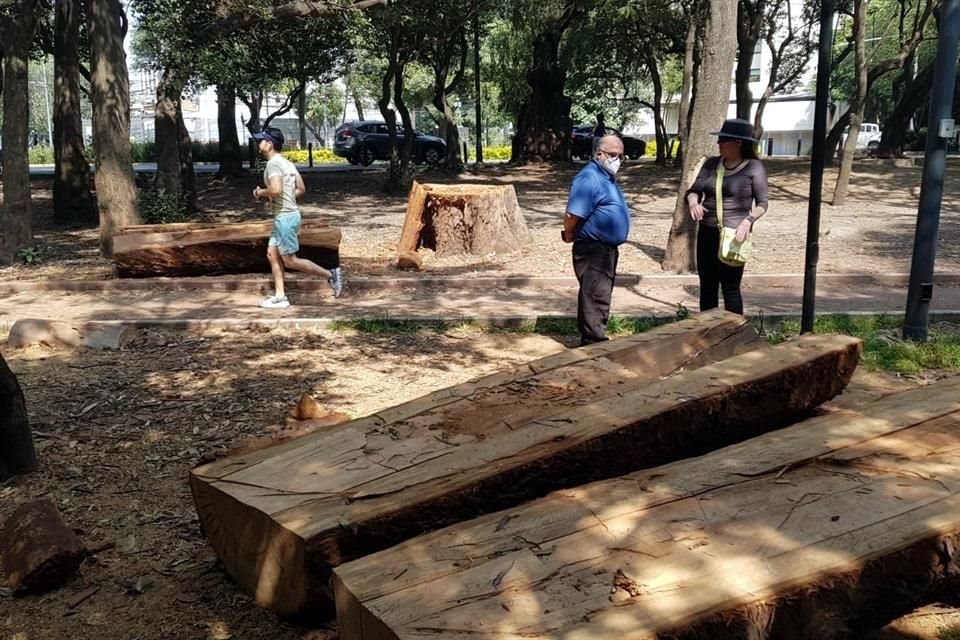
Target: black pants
x,y
595,264
715,274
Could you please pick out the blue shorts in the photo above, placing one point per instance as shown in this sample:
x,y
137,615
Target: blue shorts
x,y
286,226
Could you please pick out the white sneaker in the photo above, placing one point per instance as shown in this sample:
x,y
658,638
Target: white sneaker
x,y
275,302
336,281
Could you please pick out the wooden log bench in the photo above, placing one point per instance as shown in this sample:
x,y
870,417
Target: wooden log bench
x,y
197,249
280,519
809,532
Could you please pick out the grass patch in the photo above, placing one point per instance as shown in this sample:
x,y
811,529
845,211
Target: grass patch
x,y
949,633
883,347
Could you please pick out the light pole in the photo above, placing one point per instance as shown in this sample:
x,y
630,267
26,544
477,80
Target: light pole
x,y
46,103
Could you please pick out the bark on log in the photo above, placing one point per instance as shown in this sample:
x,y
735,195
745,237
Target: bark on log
x,y
190,249
818,531
464,219
17,454
282,518
39,552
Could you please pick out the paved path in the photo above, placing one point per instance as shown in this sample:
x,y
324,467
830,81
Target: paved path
x,y
153,302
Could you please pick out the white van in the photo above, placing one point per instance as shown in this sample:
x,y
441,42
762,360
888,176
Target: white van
x,y
869,137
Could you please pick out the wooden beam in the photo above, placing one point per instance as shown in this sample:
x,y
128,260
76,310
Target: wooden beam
x,y
798,533
281,518
191,249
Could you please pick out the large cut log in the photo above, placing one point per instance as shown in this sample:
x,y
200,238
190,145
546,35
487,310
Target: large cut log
x,y
38,551
809,532
463,219
282,519
268,559
194,249
17,454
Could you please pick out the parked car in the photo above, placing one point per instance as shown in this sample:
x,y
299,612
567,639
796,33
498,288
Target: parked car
x,y
364,141
868,138
582,142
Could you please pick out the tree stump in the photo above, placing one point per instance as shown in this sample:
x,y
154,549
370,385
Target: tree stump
x,y
463,219
38,550
17,455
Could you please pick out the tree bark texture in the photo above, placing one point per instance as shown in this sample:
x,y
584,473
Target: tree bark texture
x,y
231,155
188,176
441,90
856,104
686,89
544,125
708,110
895,126
749,24
110,92
73,202
39,551
167,135
659,126
17,454
17,223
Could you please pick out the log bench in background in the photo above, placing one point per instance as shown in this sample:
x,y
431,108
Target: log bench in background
x,y
198,249
282,518
821,530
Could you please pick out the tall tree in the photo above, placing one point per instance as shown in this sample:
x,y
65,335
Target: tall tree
x,y
231,155
17,25
73,202
543,123
710,95
858,102
751,15
110,92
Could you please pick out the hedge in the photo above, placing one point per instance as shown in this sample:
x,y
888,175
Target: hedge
x,y
320,156
651,150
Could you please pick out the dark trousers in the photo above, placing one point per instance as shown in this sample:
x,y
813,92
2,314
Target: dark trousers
x,y
595,264
715,274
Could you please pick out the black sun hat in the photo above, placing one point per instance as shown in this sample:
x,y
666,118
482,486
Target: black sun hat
x,y
736,128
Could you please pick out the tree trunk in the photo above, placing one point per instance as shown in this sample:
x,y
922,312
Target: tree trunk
x,y
110,93
544,125
39,551
357,104
231,155
683,115
254,102
409,137
73,202
660,128
897,123
302,117
856,106
708,110
448,126
188,177
17,224
17,455
748,35
393,182
167,134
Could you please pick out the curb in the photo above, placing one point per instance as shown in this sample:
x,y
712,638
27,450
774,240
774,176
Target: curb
x,y
769,321
262,284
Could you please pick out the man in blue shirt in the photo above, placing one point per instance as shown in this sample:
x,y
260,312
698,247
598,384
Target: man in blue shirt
x,y
597,222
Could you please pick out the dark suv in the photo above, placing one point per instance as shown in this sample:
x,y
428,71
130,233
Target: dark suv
x,y
581,141
364,141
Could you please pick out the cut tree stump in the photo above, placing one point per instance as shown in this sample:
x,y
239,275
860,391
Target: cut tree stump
x,y
55,333
195,249
281,518
463,219
814,531
39,552
17,454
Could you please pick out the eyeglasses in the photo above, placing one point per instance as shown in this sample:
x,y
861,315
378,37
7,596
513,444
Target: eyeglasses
x,y
615,156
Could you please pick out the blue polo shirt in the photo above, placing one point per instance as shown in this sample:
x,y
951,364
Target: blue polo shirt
x,y
597,200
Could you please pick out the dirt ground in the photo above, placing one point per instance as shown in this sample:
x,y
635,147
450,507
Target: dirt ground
x,y
873,232
118,432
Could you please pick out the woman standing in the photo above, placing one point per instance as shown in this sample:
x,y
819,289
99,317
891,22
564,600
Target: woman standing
x,y
743,200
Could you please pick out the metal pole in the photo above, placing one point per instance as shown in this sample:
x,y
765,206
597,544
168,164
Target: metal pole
x,y
940,129
817,162
476,76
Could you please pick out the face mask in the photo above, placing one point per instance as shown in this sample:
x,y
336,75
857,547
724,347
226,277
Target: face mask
x,y
611,165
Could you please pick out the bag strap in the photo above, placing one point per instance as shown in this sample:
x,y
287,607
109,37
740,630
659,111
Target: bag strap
x,y
719,193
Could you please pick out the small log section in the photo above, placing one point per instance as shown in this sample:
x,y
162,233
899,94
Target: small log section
x,y
39,552
192,249
463,219
282,519
815,531
17,453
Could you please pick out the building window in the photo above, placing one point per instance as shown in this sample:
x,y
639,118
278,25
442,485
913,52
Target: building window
x,y
755,64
